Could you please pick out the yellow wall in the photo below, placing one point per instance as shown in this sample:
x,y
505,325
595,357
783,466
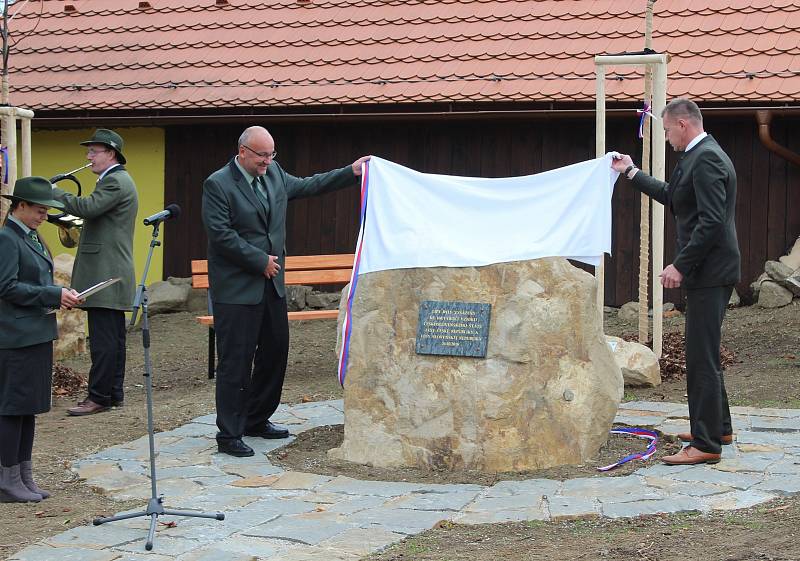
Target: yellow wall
x,y
59,151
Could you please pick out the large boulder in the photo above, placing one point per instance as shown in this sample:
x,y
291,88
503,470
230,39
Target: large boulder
x,y
296,296
545,394
755,286
323,300
637,362
71,323
167,296
784,276
793,284
792,259
629,312
778,271
773,295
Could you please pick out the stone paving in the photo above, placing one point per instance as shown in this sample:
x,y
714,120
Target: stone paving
x,y
292,516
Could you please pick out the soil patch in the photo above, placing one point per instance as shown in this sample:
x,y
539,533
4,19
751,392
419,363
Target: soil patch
x,y
766,374
309,453
763,533
766,369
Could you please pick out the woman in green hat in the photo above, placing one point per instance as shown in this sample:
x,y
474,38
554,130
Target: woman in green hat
x,y
27,330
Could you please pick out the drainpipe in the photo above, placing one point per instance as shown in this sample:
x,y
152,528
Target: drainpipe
x,y
764,118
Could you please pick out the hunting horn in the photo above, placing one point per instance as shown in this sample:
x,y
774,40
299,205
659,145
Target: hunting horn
x,y
69,227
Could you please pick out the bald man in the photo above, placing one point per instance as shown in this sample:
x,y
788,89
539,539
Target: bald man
x,y
244,212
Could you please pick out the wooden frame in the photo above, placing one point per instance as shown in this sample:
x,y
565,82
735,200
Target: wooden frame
x,y
658,63
10,115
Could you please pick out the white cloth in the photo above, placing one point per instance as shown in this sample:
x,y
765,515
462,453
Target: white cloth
x,y
424,220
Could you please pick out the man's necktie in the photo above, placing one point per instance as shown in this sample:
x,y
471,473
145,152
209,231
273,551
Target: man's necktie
x,y
260,192
35,239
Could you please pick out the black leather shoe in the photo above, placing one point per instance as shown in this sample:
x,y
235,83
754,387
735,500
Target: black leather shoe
x,y
268,431
234,447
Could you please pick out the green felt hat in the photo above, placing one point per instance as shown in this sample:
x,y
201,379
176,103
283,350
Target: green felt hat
x,y
108,138
36,190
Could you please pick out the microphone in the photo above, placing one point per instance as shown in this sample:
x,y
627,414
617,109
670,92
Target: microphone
x,y
172,211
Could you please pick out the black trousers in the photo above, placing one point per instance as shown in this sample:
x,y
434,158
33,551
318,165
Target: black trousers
x,y
709,415
107,349
253,346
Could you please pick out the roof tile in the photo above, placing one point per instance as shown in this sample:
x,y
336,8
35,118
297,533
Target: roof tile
x,y
189,54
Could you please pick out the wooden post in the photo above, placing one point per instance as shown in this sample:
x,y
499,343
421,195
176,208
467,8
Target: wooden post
x,y
10,143
644,213
5,189
659,172
9,138
26,146
659,62
600,150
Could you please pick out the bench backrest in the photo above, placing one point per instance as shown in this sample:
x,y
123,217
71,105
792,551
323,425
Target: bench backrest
x,y
300,269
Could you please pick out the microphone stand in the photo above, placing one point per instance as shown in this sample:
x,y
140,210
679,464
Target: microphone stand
x,y
155,508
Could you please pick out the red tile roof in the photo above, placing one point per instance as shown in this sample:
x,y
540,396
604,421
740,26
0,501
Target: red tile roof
x,y
170,54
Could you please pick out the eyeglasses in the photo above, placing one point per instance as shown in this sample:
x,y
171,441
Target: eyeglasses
x,y
93,152
265,155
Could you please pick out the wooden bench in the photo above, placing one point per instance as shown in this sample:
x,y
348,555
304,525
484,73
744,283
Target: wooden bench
x,y
301,269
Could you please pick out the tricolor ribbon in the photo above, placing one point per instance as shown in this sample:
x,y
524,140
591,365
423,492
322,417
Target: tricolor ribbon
x,y
644,112
4,150
348,312
652,436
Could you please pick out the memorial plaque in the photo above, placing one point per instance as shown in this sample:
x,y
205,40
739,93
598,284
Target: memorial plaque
x,y
453,328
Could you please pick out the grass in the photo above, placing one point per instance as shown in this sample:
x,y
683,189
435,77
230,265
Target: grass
x,y
579,527
792,403
747,523
416,548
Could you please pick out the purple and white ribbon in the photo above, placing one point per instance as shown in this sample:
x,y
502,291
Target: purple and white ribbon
x,y
652,436
646,111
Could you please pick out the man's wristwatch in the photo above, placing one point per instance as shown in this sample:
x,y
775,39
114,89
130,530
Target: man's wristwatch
x,y
628,171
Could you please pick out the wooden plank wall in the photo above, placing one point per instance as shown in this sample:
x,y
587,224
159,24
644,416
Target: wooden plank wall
x,y
768,215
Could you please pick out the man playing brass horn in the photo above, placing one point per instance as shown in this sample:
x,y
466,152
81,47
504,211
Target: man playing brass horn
x,y
105,251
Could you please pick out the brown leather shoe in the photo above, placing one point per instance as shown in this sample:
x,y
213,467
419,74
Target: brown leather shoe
x,y
114,402
87,407
687,437
690,456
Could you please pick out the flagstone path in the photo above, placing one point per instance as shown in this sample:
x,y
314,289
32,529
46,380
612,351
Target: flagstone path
x,y
283,515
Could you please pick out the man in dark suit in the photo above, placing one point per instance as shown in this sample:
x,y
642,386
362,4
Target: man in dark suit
x,y
702,196
244,212
105,251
